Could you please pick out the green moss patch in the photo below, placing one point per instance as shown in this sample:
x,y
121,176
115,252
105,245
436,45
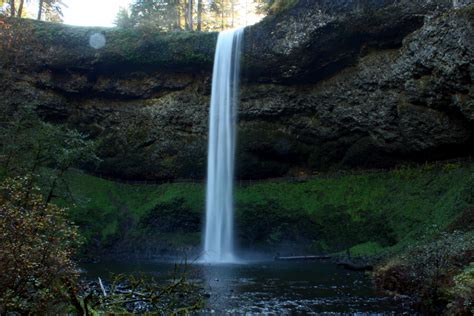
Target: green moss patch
x,y
366,249
369,211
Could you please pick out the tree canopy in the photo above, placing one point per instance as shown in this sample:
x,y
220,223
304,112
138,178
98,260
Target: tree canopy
x,y
197,15
49,10
161,15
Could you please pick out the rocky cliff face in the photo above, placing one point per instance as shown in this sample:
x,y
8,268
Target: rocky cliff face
x,y
328,83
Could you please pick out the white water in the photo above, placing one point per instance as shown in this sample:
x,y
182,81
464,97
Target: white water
x,y
219,232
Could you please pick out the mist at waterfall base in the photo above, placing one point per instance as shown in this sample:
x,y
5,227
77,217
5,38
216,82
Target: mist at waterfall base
x,y
219,227
270,287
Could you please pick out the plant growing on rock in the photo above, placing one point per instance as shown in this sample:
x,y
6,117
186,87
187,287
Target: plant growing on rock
x,y
275,6
462,293
428,271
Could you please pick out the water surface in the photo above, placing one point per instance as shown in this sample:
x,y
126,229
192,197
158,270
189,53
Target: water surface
x,y
275,288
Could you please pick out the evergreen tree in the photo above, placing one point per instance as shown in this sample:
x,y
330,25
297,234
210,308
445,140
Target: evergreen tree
x,y
194,15
160,14
124,19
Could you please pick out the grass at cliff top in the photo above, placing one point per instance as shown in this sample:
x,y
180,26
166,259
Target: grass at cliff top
x,y
368,211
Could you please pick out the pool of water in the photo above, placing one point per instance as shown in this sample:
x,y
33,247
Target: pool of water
x,y
274,288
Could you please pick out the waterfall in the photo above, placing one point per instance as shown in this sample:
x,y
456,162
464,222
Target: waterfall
x,y
219,231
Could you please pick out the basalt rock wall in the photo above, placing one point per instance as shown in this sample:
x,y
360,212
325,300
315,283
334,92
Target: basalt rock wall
x,y
325,84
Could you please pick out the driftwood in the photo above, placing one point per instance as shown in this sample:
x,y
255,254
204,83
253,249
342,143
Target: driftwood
x,y
102,287
301,258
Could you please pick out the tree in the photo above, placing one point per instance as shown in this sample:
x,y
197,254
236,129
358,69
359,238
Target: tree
x,y
3,7
12,8
217,7
199,15
274,6
123,19
232,12
20,8
155,14
37,243
189,15
19,11
52,10
40,150
40,9
36,240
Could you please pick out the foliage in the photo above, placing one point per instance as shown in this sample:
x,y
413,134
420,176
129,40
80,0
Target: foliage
x,y
428,270
111,213
173,216
464,221
51,10
12,42
188,15
264,224
123,19
366,249
275,6
330,212
462,293
30,146
36,242
149,13
385,207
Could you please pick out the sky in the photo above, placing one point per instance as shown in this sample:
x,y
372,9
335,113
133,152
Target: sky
x,y
92,12
86,12
104,12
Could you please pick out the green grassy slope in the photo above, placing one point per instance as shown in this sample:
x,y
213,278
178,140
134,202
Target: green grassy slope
x,y
369,211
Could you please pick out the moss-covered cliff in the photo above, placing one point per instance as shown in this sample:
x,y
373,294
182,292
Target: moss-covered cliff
x,y
326,84
370,212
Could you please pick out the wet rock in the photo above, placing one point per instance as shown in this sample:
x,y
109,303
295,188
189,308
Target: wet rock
x,y
328,83
355,266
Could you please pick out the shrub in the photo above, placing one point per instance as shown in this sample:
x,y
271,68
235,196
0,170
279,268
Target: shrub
x,y
173,216
143,294
271,224
36,242
462,293
428,270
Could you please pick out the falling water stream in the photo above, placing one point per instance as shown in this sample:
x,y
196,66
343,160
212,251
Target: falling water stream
x,y
219,231
257,287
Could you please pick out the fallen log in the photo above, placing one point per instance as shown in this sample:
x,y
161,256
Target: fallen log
x,y
301,258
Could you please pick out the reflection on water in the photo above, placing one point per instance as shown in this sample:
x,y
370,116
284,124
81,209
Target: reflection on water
x,y
311,288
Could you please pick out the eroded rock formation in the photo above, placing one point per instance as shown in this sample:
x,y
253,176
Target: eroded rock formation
x,y
328,83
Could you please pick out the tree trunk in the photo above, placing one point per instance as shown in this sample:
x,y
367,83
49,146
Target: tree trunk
x,y
199,16
12,8
20,8
190,14
232,3
176,15
177,9
40,9
223,15
52,188
186,14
